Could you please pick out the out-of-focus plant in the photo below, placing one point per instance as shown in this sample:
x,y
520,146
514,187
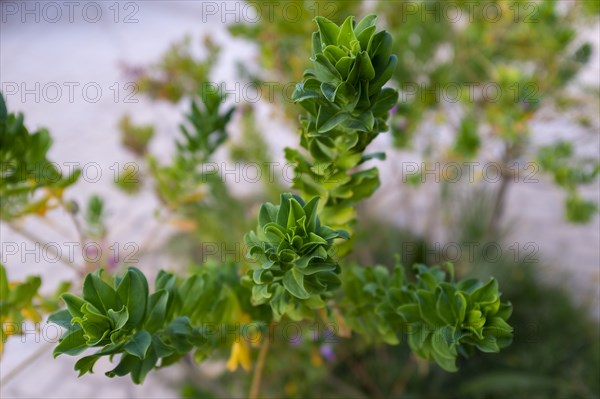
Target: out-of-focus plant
x,y
30,183
482,75
20,302
134,137
284,41
442,319
486,79
179,73
570,172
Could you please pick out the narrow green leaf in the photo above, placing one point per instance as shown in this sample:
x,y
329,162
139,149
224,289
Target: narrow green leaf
x,y
367,22
86,364
118,318
293,281
328,30
98,293
133,293
62,318
157,309
71,343
346,34
139,344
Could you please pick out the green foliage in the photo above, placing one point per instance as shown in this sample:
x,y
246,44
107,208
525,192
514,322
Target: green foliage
x,y
181,182
283,45
208,126
178,74
95,215
25,168
17,303
494,72
569,173
347,107
20,302
295,268
442,319
120,316
135,137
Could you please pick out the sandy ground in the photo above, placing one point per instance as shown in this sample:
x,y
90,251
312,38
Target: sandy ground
x,y
86,54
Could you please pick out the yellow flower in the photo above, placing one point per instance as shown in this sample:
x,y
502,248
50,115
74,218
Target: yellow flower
x,y
240,355
31,314
315,358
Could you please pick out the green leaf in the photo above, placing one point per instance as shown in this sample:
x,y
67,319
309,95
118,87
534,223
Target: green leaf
x,y
293,281
333,53
133,293
62,318
3,110
74,304
367,22
86,364
125,366
383,75
325,71
328,30
157,309
366,67
267,214
143,367
334,121
98,293
3,279
486,294
139,344
346,34
71,343
118,318
386,100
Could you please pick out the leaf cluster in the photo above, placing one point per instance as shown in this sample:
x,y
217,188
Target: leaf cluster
x,y
570,172
120,316
21,301
25,168
441,318
295,268
346,108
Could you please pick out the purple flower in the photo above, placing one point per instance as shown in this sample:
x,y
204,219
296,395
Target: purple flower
x,y
296,340
327,352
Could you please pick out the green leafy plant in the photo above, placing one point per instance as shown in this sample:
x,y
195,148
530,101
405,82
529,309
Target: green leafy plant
x,y
444,69
21,301
441,319
347,107
120,316
296,268
26,170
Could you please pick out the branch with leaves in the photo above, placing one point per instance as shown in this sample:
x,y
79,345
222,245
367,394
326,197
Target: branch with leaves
x,y
296,268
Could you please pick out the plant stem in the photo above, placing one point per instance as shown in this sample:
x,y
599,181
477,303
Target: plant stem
x,y
260,365
33,238
25,363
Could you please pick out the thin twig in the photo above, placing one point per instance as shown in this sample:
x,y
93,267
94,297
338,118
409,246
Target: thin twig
x,y
260,365
26,362
51,248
